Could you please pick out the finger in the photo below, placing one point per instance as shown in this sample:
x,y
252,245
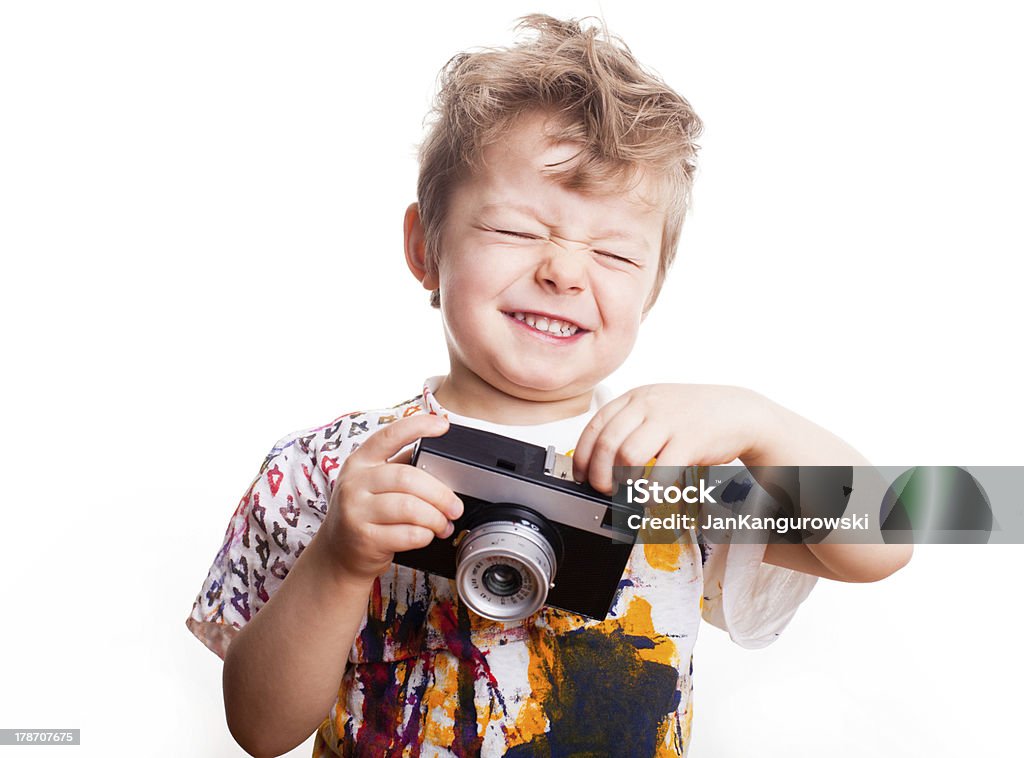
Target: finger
x,y
387,441
669,464
399,508
394,538
585,447
606,447
404,455
409,480
637,450
673,460
676,455
680,454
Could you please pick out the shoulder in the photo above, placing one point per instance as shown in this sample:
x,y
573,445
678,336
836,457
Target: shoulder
x,y
328,443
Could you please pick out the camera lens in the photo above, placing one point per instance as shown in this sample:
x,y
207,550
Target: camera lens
x,y
502,580
506,562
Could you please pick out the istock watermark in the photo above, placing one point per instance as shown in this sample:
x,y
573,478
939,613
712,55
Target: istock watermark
x,y
643,491
811,504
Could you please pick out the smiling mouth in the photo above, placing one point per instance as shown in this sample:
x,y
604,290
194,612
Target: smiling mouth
x,y
553,326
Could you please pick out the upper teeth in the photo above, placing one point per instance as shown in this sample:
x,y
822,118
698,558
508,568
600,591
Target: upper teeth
x,y
549,325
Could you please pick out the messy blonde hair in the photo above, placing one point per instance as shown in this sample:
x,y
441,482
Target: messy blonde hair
x,y
628,122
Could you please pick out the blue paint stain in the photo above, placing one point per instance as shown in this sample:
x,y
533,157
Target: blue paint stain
x,y
606,700
736,491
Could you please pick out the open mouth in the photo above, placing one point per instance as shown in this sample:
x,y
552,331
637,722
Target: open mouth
x,y
546,324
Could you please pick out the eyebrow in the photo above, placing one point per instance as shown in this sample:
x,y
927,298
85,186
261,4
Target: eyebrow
x,y
606,234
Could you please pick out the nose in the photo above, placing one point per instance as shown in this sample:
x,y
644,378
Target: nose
x,y
561,270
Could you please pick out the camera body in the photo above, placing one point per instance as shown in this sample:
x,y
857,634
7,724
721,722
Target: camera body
x,y
529,535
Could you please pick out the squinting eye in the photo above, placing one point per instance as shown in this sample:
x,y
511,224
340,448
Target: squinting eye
x,y
519,235
613,256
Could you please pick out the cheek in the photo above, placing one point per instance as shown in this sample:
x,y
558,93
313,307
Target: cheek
x,y
482,272
468,286
458,281
622,307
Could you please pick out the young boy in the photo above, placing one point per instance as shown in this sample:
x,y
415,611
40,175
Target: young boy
x,y
552,189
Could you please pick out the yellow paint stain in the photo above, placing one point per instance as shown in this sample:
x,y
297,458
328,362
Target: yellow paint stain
x,y
666,737
562,622
663,557
444,685
334,724
323,735
532,720
637,622
660,555
440,701
438,732
667,557
495,713
483,628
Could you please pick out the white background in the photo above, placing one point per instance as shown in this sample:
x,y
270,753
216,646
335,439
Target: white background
x,y
200,227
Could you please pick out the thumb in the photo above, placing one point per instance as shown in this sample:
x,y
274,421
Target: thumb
x,y
386,443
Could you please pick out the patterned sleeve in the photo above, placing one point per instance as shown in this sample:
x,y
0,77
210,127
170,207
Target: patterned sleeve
x,y
273,523
751,600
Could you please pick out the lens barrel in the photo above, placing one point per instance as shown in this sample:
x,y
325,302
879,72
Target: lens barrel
x,y
506,563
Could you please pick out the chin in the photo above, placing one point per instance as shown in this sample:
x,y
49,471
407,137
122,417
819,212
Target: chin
x,y
542,386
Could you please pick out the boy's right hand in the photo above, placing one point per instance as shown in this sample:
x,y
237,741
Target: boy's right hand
x,y
381,506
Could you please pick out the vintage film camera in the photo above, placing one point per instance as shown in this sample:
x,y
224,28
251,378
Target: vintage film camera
x,y
529,536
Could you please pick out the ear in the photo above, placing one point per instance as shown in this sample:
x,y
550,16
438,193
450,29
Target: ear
x,y
415,248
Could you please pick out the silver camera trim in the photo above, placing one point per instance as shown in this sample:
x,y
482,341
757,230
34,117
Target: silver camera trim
x,y
504,543
555,505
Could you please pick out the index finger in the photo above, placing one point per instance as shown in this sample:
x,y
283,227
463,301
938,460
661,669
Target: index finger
x,y
585,446
387,441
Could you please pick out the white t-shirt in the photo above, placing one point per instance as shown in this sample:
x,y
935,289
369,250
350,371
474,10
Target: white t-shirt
x,y
563,434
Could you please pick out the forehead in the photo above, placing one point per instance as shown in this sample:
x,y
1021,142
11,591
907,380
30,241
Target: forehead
x,y
528,169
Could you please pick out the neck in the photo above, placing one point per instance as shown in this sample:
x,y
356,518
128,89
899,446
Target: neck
x,y
466,394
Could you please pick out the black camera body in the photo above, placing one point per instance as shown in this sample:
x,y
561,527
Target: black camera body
x,y
529,535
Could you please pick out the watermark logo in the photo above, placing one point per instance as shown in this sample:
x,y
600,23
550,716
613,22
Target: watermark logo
x,y
645,492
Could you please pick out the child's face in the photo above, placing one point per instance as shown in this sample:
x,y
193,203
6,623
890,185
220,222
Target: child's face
x,y
518,247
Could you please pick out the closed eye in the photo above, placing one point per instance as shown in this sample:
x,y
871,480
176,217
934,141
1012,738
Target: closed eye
x,y
603,253
613,256
519,235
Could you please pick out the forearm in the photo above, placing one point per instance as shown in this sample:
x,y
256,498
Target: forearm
x,y
787,439
784,438
841,563
282,670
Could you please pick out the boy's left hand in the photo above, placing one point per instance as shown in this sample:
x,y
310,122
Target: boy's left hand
x,y
679,424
